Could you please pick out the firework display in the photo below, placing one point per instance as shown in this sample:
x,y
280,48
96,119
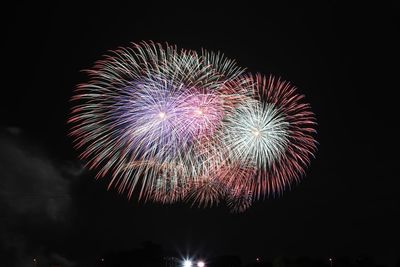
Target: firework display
x,y
170,125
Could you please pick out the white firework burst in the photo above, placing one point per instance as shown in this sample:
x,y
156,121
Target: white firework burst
x,y
255,134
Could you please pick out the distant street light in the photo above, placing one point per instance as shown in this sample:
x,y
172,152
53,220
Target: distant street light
x,y
200,264
187,263
331,261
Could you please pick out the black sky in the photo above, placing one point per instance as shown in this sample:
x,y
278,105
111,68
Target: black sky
x,y
341,57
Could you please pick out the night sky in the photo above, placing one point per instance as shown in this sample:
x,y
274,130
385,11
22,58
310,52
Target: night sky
x,y
341,57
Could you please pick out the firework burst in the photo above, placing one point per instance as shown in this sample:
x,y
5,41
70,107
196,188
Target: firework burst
x,y
172,125
271,133
151,103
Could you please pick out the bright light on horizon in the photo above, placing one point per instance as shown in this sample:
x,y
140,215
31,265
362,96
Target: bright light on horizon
x,y
187,263
200,264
